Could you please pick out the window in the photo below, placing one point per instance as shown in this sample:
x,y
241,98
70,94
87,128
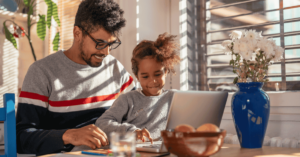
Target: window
x,y
215,19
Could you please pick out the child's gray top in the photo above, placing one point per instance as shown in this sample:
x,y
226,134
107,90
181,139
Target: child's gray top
x,y
134,110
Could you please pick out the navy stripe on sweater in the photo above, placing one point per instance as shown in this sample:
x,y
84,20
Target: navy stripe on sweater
x,y
36,124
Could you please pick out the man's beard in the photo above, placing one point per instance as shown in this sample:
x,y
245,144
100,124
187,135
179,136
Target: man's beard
x,y
88,60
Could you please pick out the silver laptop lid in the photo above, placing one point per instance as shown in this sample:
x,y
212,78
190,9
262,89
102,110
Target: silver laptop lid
x,y
196,108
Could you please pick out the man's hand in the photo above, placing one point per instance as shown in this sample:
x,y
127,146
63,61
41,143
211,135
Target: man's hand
x,y
142,134
90,136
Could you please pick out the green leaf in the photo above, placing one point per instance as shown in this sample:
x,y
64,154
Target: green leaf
x,y
56,42
41,27
26,2
9,36
55,13
235,80
49,12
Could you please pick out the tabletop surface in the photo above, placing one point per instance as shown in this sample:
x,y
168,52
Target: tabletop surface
x,y
230,150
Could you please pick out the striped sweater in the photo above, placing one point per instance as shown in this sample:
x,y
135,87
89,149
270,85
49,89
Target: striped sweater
x,y
59,94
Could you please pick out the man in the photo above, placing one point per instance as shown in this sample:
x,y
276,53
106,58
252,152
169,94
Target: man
x,y
64,93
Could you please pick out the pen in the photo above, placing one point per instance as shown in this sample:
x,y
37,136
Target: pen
x,y
161,155
91,153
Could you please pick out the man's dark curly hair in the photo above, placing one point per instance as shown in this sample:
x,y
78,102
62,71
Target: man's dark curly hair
x,y
95,14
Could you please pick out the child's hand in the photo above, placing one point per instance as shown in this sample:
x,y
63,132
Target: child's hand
x,y
142,134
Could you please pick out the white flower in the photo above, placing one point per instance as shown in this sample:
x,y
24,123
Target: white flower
x,y
243,46
278,53
259,34
252,45
251,35
226,44
236,46
261,43
244,32
257,51
255,42
253,57
247,55
269,50
235,34
271,41
243,39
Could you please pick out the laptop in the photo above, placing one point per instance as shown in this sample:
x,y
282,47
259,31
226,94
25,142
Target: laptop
x,y
195,108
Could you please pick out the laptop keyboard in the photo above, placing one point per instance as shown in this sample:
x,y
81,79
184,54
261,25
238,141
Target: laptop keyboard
x,y
153,146
156,147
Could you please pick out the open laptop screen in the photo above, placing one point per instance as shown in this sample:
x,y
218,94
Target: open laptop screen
x,y
196,108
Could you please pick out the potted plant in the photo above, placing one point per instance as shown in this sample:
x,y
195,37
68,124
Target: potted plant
x,y
252,54
41,25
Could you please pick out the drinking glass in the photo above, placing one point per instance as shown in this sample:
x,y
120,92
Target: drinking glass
x,y
123,144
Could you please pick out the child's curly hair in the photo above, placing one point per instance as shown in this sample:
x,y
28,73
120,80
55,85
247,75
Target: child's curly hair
x,y
164,50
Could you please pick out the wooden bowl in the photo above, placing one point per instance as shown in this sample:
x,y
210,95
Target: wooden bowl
x,y
193,143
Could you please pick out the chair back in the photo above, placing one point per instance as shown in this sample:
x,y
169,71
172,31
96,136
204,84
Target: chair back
x,y
7,114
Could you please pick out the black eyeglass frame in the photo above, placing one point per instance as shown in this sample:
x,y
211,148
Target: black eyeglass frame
x,y
107,43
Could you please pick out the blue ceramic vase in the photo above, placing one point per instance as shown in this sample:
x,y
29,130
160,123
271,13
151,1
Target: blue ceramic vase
x,y
250,108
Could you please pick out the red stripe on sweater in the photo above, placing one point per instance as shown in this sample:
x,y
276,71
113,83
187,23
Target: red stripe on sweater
x,y
83,100
125,85
75,102
35,96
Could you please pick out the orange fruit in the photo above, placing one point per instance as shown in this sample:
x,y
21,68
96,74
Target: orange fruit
x,y
208,127
184,128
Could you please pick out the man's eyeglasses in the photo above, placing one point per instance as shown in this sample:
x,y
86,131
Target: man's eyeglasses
x,y
103,44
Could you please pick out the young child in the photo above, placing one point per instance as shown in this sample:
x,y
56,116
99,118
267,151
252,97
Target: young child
x,y
145,110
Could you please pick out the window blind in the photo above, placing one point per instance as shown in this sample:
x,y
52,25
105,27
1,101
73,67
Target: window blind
x,y
277,19
67,10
